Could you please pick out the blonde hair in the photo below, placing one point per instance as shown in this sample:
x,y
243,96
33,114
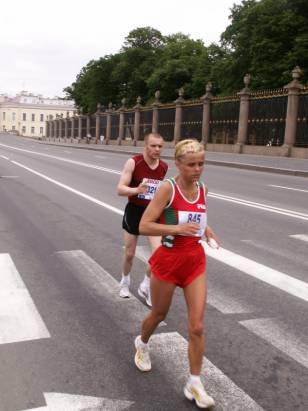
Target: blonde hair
x,y
187,146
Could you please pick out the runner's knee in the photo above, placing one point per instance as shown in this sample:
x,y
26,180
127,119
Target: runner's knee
x,y
196,329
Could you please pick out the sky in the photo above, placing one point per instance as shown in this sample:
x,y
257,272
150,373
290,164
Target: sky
x,y
45,44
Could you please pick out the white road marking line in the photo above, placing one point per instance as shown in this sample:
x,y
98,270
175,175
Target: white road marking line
x,y
102,157
9,176
277,279
277,334
67,152
101,283
19,318
66,187
67,160
225,303
169,355
217,298
260,206
68,402
280,280
5,158
303,237
289,188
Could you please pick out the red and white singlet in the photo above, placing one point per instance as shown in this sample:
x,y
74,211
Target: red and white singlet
x,y
153,178
180,259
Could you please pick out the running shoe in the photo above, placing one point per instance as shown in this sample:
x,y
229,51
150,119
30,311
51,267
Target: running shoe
x,y
197,392
124,289
142,356
144,293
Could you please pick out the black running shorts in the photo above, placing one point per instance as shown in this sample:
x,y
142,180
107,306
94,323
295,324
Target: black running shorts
x,y
132,217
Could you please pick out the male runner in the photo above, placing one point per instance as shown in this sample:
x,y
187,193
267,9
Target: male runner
x,y
139,180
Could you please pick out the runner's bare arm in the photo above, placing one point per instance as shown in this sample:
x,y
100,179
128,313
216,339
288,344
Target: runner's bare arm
x,y
123,188
148,224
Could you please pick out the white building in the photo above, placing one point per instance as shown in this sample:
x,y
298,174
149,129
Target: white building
x,y
26,114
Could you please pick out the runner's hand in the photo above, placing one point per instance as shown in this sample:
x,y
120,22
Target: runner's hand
x,y
142,188
188,228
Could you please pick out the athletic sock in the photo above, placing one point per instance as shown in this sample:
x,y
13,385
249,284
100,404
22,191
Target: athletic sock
x,y
146,281
194,379
125,279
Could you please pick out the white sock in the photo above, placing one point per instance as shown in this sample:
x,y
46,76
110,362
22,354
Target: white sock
x,y
125,279
194,379
146,281
143,344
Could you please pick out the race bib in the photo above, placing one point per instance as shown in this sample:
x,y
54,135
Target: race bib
x,y
152,186
194,217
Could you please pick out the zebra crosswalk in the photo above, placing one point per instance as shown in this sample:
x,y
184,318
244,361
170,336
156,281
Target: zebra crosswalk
x,y
168,345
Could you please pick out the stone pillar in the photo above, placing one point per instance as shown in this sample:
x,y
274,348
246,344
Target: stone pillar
x,y
56,127
206,115
294,88
155,116
88,127
121,121
137,121
66,125
178,116
243,116
47,127
60,125
97,122
73,128
79,126
108,125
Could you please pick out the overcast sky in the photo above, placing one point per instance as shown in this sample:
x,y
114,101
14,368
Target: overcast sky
x,y
44,44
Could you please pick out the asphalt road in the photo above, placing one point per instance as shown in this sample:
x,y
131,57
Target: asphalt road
x,y
60,226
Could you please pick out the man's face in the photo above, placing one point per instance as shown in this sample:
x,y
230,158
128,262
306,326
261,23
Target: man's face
x,y
153,147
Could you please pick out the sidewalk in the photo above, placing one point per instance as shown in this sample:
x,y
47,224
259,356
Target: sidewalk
x,y
281,165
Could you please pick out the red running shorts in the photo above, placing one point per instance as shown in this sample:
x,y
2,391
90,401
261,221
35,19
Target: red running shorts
x,y
178,265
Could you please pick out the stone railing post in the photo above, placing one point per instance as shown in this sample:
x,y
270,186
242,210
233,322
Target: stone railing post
x,y
121,121
155,115
294,88
56,127
79,126
137,121
60,126
206,115
108,125
88,128
73,127
243,116
47,127
178,116
97,122
66,125
51,127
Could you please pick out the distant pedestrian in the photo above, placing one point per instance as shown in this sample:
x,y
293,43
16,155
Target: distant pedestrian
x,y
139,180
178,213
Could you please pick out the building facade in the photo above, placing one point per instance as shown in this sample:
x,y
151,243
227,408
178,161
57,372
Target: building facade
x,y
26,114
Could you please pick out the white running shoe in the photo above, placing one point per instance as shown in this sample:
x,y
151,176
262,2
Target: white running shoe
x,y
144,292
197,392
124,289
142,356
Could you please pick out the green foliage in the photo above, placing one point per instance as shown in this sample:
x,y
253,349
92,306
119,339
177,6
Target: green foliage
x,y
265,38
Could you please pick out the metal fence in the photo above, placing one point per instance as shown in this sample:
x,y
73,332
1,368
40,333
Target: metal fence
x,y
166,122
191,126
145,122
224,120
302,122
266,124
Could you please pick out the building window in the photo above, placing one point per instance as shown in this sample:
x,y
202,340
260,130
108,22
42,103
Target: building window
x,y
13,128
32,130
42,117
3,128
41,130
13,116
23,130
33,117
24,116
3,116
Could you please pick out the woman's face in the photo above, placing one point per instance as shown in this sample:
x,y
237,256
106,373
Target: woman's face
x,y
191,165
